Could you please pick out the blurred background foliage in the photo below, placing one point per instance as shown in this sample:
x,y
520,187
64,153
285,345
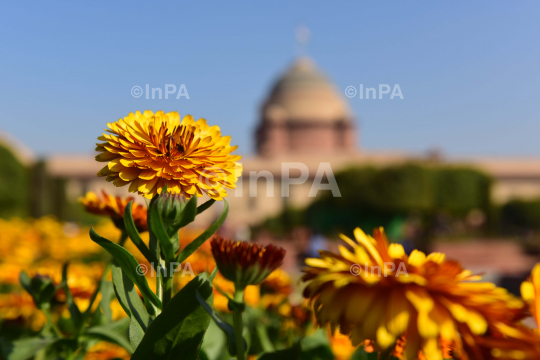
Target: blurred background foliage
x,y
30,191
14,185
430,196
521,215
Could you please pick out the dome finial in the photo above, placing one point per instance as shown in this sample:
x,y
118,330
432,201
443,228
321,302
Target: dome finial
x,y
302,35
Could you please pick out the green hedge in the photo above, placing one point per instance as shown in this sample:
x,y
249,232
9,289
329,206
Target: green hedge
x,y
14,185
521,214
385,196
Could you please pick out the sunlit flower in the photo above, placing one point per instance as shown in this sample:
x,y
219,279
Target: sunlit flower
x,y
278,282
514,341
106,351
245,263
16,307
376,292
147,151
114,207
502,343
397,351
530,291
341,346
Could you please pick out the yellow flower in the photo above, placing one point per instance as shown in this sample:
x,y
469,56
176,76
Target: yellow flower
x,y
147,151
21,307
278,282
376,292
397,351
530,291
114,207
106,351
513,341
341,346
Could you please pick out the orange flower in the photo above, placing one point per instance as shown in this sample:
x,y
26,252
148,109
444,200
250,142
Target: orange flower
x,y
278,282
114,207
16,307
106,351
341,346
530,291
376,292
148,150
244,263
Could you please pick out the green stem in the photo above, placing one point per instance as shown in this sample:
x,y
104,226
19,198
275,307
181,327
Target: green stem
x,y
167,289
88,311
45,309
160,276
266,344
239,325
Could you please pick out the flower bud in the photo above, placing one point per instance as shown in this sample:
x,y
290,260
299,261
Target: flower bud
x,y
245,263
41,287
170,207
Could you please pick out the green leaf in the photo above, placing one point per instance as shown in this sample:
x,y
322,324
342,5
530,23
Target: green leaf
x,y
317,347
76,315
264,339
362,354
319,353
315,340
135,334
135,236
129,264
225,327
131,303
115,332
195,244
24,349
213,274
25,281
177,333
58,350
41,289
158,228
107,294
292,353
205,206
214,344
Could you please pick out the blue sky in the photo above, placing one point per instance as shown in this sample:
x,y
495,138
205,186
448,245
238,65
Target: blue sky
x,y
469,70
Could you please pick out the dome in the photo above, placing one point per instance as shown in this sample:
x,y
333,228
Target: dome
x,y
304,93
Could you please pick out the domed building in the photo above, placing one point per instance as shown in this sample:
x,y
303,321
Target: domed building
x,y
305,127
305,114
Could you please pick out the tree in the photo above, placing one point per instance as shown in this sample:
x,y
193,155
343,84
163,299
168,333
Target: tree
x,y
13,185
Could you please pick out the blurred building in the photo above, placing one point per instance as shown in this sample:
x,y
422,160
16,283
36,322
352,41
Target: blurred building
x,y
23,153
305,114
305,120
